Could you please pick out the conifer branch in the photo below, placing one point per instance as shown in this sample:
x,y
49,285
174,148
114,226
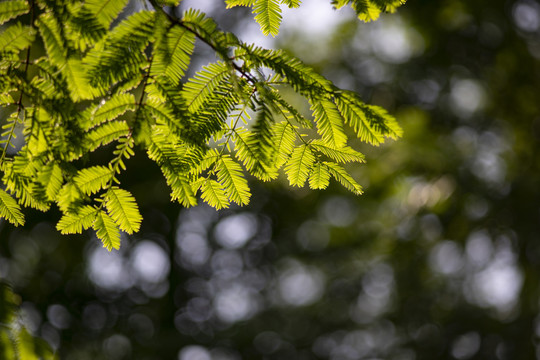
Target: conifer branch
x,y
84,87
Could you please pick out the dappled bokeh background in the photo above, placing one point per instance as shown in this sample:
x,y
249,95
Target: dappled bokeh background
x,y
439,259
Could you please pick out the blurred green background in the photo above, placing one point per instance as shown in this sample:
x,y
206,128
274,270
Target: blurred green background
x,y
439,259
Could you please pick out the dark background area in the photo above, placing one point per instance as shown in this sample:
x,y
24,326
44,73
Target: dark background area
x,y
439,259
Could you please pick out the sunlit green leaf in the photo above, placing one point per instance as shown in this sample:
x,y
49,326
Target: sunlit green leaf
x,y
10,210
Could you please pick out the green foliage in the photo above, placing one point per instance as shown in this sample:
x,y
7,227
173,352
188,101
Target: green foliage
x,y
16,38
369,10
299,165
123,209
105,81
319,177
203,86
329,123
213,193
230,175
15,341
75,222
268,12
173,53
268,16
10,210
93,179
107,230
12,9
105,10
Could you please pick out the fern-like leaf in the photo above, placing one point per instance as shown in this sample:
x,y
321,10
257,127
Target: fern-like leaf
x,y
119,57
261,132
10,210
76,222
105,10
383,122
10,9
93,179
160,111
230,174
173,54
18,176
83,30
78,85
329,122
106,133
203,84
343,177
283,138
268,16
69,197
181,189
51,178
209,160
211,117
214,194
371,123
343,154
248,153
124,210
319,178
124,150
113,108
16,38
299,165
107,231
49,30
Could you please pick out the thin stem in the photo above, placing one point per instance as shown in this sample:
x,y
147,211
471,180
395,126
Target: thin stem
x,y
145,81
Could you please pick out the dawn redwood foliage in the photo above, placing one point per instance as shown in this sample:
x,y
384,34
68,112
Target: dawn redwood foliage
x,y
122,84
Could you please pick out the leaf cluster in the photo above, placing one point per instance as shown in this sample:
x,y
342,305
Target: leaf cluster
x,y
124,85
268,12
